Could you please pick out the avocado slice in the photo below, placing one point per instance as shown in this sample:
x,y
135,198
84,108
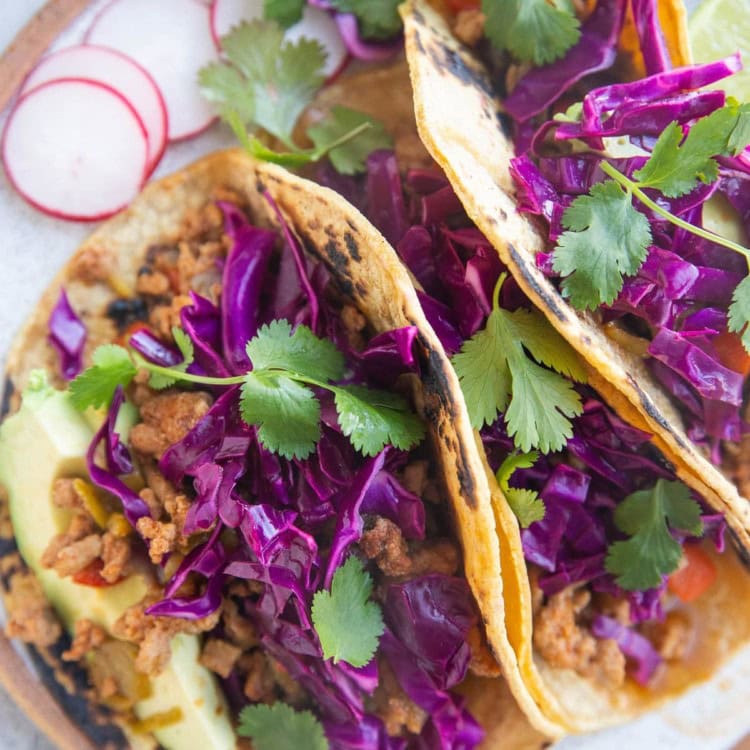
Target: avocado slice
x,y
48,438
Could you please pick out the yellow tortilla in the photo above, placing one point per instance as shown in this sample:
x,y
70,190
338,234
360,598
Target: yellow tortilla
x,y
461,124
366,269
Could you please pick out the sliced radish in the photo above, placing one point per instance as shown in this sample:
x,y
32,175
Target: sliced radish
x,y
315,24
118,71
75,149
172,40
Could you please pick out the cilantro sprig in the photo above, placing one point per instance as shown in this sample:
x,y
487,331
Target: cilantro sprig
x,y
280,727
520,366
348,624
646,516
377,19
535,31
277,395
266,83
285,12
526,504
607,238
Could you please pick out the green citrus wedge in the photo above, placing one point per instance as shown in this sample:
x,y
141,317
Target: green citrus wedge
x,y
719,28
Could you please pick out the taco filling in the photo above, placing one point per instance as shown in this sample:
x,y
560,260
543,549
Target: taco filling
x,y
616,548
276,486
640,189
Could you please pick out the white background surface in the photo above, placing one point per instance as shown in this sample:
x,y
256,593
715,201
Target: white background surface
x,y
33,247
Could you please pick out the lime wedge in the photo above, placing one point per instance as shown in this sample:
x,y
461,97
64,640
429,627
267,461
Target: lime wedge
x,y
719,28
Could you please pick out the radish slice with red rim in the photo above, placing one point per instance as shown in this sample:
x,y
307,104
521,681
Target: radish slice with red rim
x,y
113,69
315,24
172,40
75,149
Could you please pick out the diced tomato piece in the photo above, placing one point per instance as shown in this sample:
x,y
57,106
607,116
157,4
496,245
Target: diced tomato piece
x,y
457,5
695,576
91,575
732,353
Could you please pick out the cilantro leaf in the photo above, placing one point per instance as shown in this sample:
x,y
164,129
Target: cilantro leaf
x,y
348,625
280,76
226,87
285,12
348,156
276,346
646,517
377,19
526,504
160,380
739,312
280,727
372,419
96,385
607,238
543,402
739,138
287,413
676,165
497,375
536,31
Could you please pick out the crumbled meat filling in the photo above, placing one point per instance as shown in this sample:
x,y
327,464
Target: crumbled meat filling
x,y
74,557
162,537
115,556
384,543
163,318
219,656
92,265
563,642
30,617
88,635
167,418
260,682
153,634
672,638
397,711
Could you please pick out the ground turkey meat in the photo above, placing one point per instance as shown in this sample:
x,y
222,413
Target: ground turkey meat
x,y
385,544
161,537
88,635
30,616
566,644
219,656
167,418
152,635
398,712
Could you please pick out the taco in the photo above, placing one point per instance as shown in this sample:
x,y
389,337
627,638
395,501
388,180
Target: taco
x,y
184,548
586,641
649,305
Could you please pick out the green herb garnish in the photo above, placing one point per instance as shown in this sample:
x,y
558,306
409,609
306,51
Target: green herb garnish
x,y
608,239
267,82
505,367
280,727
526,504
276,395
651,552
535,31
376,19
285,12
348,624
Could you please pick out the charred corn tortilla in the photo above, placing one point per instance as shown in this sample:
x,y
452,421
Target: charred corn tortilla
x,y
464,129
367,270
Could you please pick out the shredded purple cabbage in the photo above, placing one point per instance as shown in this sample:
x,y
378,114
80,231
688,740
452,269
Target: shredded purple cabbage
x,y
67,334
595,50
278,508
644,657
118,460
